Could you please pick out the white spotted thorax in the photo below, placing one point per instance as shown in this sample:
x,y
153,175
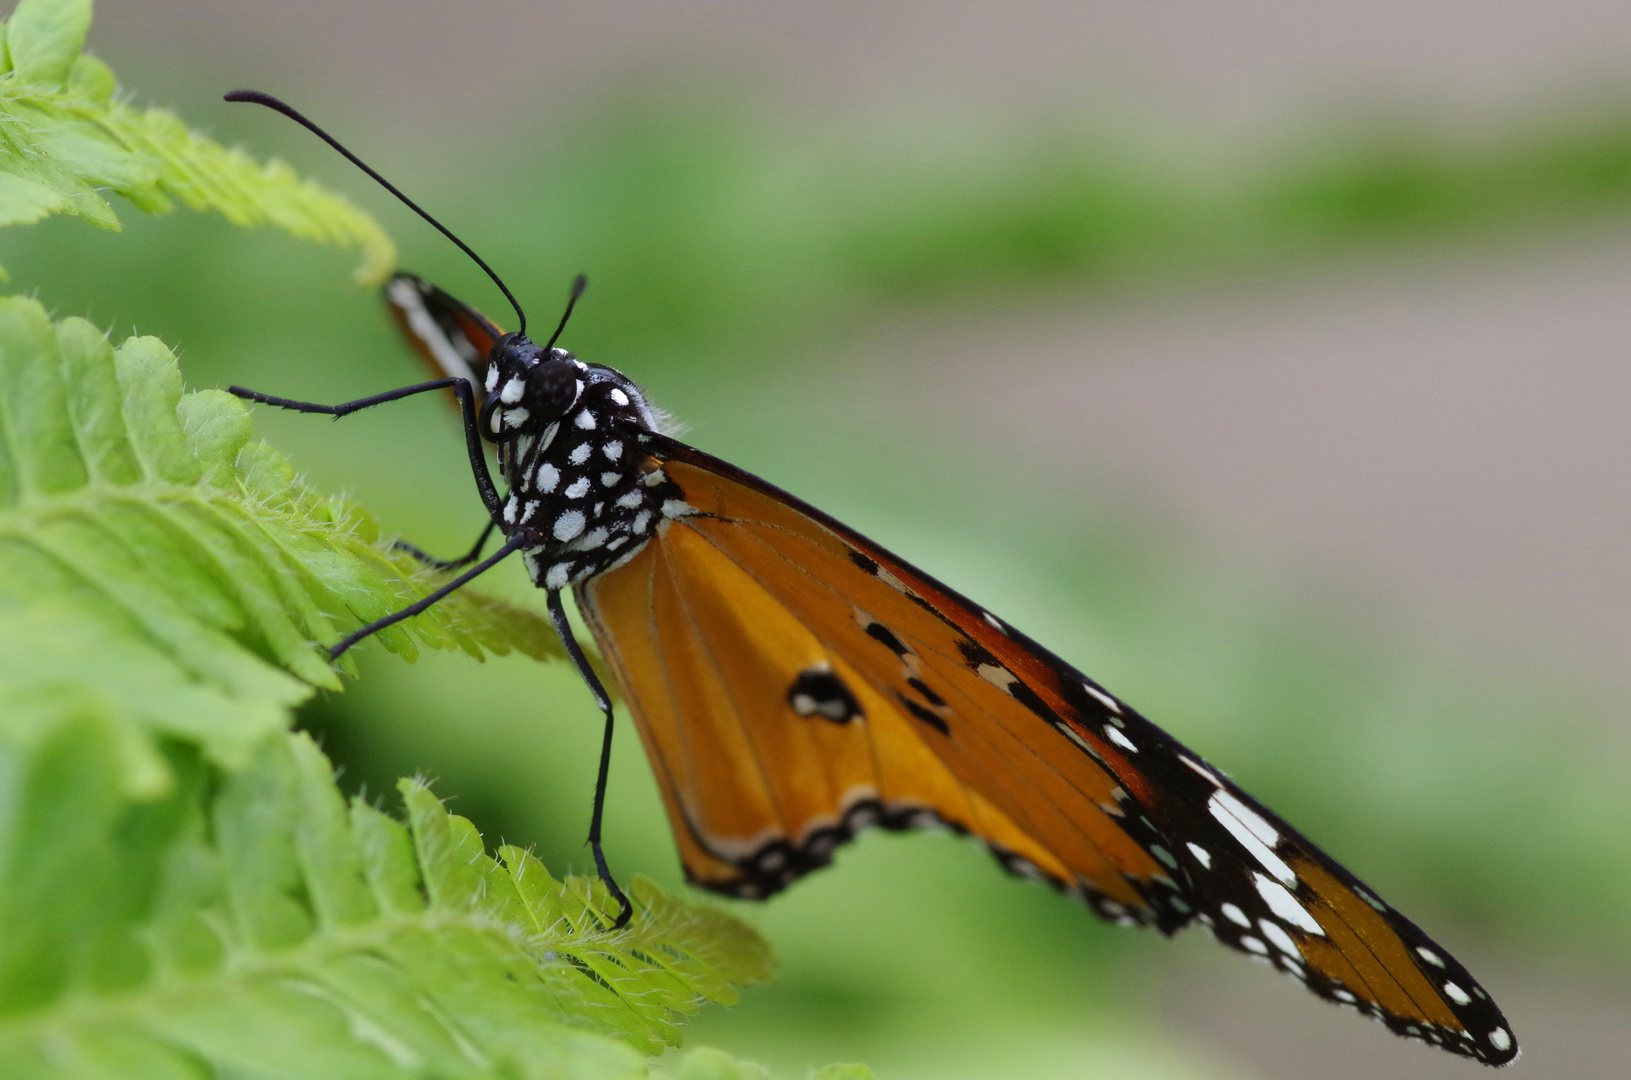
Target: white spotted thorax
x,y
570,437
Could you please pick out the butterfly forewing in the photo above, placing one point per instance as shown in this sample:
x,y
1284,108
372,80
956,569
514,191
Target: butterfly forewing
x,y
793,682
450,336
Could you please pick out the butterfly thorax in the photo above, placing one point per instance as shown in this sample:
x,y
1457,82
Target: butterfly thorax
x,y
569,440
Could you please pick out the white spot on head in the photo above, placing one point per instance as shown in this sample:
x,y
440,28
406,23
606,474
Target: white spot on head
x,y
641,520
1118,738
578,488
580,454
610,479
512,391
630,499
1500,1039
613,450
677,508
585,420
1254,945
1283,904
492,378
510,509
569,525
1250,832
1430,956
514,417
1456,994
558,575
618,397
1202,856
1234,914
1282,940
548,477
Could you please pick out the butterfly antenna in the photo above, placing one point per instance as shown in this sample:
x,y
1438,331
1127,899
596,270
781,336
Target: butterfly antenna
x,y
580,283
271,102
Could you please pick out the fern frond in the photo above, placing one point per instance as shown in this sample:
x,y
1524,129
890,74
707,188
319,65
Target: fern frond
x,y
153,558
251,924
64,136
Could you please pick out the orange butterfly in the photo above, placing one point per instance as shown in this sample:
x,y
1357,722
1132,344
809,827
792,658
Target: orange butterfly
x,y
794,683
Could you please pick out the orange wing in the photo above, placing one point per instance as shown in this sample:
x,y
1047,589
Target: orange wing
x,y
794,683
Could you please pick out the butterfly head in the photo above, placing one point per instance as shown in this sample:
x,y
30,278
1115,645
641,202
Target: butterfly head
x,y
528,387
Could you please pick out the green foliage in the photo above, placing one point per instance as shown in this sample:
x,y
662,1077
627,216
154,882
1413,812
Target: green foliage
x,y
142,528
64,135
251,924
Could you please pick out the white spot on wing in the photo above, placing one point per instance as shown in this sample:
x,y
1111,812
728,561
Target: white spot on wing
x,y
677,508
1202,856
1221,806
1103,699
1430,956
1283,904
1201,769
1234,914
1500,1039
1281,940
1118,738
1456,994
1254,945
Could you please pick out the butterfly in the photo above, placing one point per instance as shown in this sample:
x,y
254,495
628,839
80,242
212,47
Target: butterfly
x,y
795,683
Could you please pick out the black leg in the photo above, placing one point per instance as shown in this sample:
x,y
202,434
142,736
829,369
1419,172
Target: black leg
x,y
557,615
449,564
467,406
520,539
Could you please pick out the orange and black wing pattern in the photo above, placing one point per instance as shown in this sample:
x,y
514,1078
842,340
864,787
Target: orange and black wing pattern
x,y
794,683
450,336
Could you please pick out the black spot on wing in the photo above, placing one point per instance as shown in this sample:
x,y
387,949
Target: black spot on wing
x,y
818,691
879,632
868,565
928,716
976,655
928,695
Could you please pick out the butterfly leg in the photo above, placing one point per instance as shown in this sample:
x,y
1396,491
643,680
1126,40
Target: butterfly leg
x,y
521,538
467,406
557,615
449,564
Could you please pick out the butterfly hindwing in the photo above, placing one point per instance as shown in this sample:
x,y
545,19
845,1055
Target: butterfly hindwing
x,y
793,682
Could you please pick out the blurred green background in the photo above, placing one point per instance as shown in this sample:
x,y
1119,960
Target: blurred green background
x,y
1267,361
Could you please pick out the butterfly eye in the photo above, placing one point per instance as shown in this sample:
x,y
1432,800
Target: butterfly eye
x,y
552,387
